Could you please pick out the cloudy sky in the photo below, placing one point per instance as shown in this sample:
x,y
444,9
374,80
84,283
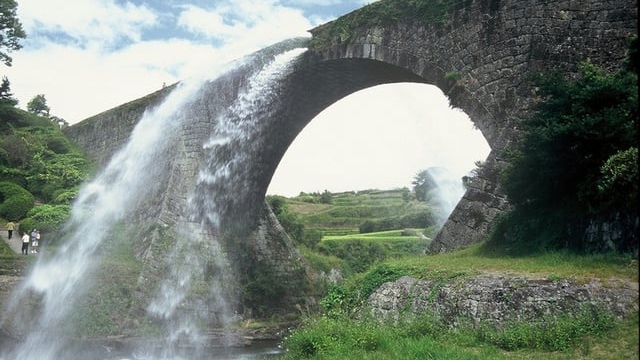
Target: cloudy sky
x,y
91,55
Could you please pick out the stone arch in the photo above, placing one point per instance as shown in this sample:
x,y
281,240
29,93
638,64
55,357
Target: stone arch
x,y
320,82
481,57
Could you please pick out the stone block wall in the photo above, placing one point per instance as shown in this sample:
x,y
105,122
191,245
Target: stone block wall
x,y
482,57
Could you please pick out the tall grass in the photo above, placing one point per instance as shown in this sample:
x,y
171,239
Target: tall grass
x,y
581,337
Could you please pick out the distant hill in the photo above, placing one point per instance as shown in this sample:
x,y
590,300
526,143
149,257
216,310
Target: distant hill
x,y
347,211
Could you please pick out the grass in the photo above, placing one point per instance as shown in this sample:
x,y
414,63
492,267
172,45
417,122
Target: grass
x,y
348,210
557,265
390,235
426,338
6,251
339,334
589,335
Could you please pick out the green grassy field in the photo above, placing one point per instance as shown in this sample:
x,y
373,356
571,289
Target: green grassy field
x,y
348,210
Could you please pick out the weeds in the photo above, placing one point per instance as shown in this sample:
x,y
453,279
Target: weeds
x,y
428,338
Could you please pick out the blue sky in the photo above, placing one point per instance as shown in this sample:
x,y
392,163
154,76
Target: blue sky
x,y
88,56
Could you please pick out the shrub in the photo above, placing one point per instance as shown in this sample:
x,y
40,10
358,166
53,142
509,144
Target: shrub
x,y
16,201
48,218
420,219
358,255
575,159
345,300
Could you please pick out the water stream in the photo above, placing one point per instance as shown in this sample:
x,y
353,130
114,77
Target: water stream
x,y
121,190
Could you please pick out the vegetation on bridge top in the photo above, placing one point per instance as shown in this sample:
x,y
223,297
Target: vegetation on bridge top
x,y
381,13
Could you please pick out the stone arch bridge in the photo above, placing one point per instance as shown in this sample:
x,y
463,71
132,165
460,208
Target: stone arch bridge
x,y
481,57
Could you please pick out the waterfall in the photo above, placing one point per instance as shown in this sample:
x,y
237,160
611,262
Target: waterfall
x,y
135,174
448,191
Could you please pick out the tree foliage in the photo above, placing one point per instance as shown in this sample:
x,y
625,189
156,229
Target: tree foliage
x,y
15,201
38,105
423,182
577,127
6,96
35,155
576,158
11,31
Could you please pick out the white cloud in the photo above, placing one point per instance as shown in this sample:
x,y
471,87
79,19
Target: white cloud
x,y
89,74
90,23
244,22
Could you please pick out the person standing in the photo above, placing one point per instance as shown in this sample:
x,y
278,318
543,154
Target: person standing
x,y
34,233
25,243
10,227
35,244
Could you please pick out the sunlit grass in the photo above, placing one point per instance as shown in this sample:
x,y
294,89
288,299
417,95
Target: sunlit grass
x,y
473,261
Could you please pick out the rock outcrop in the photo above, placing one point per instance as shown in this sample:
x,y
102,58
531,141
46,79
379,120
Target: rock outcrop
x,y
497,299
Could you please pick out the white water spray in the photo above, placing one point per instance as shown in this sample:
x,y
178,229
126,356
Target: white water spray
x,y
447,193
119,192
195,252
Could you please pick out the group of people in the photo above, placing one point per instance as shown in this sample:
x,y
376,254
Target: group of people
x,y
33,239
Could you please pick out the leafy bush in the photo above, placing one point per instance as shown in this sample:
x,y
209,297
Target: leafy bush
x,y
41,159
347,299
15,201
65,196
574,148
48,218
619,180
312,237
359,255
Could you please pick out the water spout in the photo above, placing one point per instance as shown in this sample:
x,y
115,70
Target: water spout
x,y
130,185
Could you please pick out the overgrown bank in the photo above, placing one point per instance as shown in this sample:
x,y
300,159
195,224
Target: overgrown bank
x,y
470,304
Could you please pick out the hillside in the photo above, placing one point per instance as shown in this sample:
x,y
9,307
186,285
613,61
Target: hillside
x,y
351,231
345,212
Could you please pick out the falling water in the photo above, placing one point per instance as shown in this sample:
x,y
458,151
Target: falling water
x,y
448,191
120,192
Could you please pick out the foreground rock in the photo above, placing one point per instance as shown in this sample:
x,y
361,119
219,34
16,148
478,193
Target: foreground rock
x,y
499,299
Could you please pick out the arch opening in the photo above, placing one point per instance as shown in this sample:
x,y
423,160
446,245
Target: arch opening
x,y
380,138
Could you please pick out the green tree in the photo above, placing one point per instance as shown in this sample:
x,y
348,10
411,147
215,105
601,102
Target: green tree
x,y
577,127
6,96
38,105
619,180
571,151
423,183
326,197
11,31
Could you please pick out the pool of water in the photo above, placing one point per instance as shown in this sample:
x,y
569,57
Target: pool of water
x,y
110,351
260,350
